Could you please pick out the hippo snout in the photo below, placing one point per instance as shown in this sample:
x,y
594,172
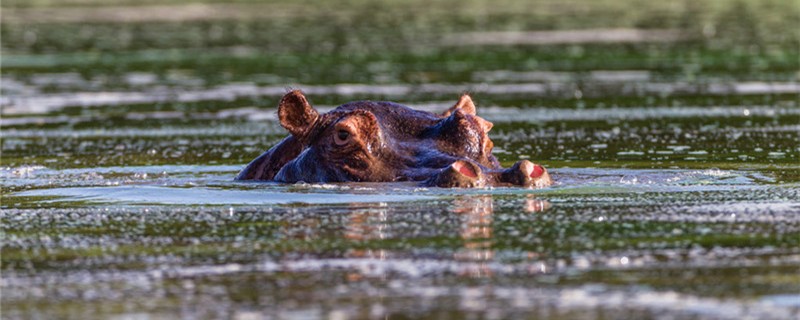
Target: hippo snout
x,y
467,174
460,174
527,174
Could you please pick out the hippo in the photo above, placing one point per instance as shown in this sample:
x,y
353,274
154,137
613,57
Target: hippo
x,y
378,141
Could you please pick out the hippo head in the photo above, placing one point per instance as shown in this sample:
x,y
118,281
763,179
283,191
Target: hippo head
x,y
384,141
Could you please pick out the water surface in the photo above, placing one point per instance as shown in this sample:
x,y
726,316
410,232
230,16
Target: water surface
x,y
672,131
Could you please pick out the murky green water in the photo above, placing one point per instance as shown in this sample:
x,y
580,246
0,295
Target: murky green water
x,y
672,130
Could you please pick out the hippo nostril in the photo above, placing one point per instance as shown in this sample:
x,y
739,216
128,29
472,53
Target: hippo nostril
x,y
459,174
538,171
526,167
525,173
464,169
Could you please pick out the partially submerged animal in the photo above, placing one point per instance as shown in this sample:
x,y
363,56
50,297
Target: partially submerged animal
x,y
385,141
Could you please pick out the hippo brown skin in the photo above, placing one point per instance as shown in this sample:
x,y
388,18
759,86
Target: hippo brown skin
x,y
383,142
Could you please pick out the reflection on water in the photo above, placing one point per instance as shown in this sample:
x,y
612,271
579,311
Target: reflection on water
x,y
534,205
475,215
370,223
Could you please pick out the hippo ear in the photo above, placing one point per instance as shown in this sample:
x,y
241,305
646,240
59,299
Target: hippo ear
x,y
464,103
296,114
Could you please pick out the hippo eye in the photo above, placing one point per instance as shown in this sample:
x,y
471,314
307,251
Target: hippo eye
x,y
341,137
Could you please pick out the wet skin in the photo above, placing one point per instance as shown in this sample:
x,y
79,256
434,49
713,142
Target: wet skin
x,y
383,142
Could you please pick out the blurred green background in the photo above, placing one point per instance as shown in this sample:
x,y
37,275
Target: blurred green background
x,y
414,41
192,57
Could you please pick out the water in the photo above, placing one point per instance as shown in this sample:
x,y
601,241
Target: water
x,y
672,131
